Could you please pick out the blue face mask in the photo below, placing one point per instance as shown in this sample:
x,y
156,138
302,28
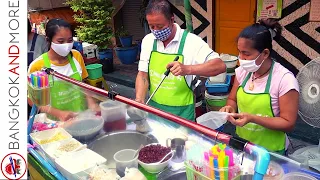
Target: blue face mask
x,y
162,34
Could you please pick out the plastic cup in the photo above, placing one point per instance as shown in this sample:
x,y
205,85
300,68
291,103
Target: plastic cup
x,y
124,159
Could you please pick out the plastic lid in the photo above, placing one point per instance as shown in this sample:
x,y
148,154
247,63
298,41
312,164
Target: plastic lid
x,y
109,104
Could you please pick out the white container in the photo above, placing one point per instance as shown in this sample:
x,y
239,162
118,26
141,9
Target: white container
x,y
56,149
220,78
51,135
155,168
125,159
89,50
77,164
229,60
113,111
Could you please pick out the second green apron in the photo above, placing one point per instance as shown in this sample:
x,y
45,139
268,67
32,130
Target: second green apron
x,y
259,104
65,96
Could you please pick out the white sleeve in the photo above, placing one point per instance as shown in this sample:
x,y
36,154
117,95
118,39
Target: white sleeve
x,y
205,53
146,48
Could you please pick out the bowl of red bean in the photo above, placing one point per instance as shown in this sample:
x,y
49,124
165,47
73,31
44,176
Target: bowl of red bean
x,y
151,154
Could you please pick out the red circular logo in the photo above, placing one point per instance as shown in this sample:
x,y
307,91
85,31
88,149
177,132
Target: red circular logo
x,y
13,166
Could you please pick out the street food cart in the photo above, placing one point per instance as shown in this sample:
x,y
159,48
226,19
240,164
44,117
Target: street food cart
x,y
97,137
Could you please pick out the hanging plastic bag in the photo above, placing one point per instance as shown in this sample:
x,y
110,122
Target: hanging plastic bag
x,y
139,118
213,119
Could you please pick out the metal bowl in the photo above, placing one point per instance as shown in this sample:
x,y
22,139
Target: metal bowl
x,y
110,143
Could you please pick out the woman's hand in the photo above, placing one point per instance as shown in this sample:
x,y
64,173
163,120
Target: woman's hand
x,y
240,119
228,109
66,115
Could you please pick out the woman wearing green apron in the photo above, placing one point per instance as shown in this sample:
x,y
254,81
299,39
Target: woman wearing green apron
x,y
66,99
159,48
264,93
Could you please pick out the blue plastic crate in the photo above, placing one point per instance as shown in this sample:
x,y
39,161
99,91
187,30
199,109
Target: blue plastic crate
x,y
218,88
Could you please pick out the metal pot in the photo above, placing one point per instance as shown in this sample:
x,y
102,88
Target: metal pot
x,y
107,145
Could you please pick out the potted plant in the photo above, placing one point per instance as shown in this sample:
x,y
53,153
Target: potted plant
x,y
124,37
127,52
95,26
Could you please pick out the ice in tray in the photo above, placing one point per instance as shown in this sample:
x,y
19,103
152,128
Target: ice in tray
x,y
76,164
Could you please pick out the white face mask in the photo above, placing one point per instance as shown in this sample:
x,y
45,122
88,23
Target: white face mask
x,y
62,49
250,65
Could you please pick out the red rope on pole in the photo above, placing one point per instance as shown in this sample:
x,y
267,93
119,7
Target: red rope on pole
x,y
184,122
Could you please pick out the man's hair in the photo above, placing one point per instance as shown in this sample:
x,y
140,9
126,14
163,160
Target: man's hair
x,y
160,6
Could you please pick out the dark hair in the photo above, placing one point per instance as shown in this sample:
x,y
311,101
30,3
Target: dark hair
x,y
53,26
159,6
260,33
29,26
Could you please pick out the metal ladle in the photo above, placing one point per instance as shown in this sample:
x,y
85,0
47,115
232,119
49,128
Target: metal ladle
x,y
137,114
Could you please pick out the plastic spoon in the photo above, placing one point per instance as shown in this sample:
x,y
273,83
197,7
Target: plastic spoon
x,y
162,158
138,150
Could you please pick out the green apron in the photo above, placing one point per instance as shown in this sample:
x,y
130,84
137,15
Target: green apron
x,y
174,94
259,104
63,95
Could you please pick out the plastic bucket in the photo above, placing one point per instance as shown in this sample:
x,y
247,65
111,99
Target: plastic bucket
x,y
127,55
215,103
94,71
108,53
126,41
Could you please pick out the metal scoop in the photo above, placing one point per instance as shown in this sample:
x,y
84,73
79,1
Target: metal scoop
x,y
136,114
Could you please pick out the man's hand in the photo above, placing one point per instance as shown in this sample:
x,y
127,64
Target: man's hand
x,y
140,100
179,69
240,119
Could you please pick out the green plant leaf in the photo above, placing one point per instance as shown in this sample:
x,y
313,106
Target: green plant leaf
x,y
94,17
